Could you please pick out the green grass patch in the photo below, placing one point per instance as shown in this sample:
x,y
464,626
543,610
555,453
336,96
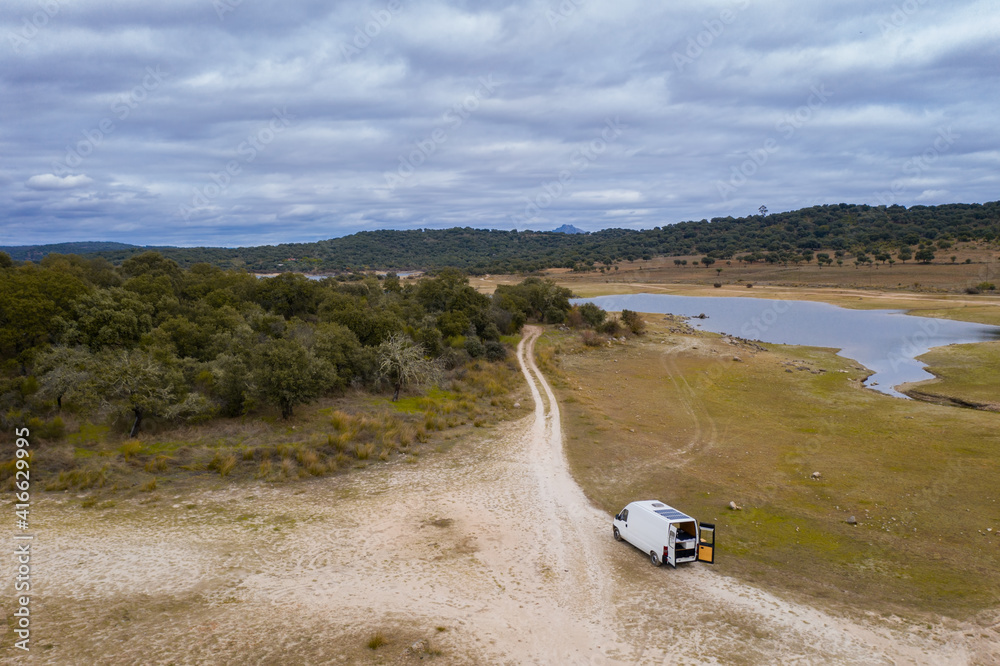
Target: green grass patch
x,y
434,398
685,424
89,433
964,374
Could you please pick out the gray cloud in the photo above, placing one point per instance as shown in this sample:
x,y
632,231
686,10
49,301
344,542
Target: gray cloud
x,y
125,120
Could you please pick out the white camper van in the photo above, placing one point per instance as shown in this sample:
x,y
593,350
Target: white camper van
x,y
665,533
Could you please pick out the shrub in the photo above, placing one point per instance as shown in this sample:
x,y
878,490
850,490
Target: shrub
x,y
986,286
376,641
474,346
591,339
554,316
592,315
973,290
717,285
54,429
495,351
749,285
610,327
634,322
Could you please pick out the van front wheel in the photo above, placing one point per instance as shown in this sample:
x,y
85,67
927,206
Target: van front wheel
x,y
618,536
654,558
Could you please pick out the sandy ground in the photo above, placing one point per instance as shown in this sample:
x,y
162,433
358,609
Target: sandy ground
x,y
489,552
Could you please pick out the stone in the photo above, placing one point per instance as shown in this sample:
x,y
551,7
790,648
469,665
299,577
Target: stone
x,y
517,405
816,475
852,521
733,506
737,359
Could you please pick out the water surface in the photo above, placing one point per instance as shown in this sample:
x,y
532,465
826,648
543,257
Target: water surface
x,y
884,341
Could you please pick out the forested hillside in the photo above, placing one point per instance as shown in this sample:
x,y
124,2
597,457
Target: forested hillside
x,y
36,252
150,340
859,229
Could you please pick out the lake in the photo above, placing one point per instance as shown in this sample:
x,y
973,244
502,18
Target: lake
x,y
884,341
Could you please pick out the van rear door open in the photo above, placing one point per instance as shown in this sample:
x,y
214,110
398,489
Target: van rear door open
x,y
706,543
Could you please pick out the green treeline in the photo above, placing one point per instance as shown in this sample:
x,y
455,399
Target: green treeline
x,y
859,229
149,340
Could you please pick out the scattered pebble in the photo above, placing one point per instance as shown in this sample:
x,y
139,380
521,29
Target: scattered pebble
x,y
852,521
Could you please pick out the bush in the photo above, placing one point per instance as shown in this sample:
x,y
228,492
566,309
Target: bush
x,y
749,285
592,315
495,351
554,316
986,286
591,339
610,327
454,358
634,322
574,319
717,285
54,429
973,290
474,347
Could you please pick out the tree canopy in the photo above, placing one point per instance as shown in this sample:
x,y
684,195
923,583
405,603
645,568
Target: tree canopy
x,y
479,251
151,341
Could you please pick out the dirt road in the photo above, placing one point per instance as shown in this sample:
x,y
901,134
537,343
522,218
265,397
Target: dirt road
x,y
489,553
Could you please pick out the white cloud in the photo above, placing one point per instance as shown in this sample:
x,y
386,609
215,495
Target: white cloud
x,y
48,181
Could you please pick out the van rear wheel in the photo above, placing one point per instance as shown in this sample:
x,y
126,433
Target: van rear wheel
x,y
618,536
654,558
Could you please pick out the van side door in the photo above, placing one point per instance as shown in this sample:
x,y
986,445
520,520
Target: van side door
x,y
623,524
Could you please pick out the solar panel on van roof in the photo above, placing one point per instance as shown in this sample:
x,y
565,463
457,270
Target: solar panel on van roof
x,y
673,514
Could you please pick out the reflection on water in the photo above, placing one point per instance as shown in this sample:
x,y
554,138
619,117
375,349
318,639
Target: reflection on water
x,y
885,341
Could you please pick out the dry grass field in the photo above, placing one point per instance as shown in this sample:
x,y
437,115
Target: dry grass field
x,y
942,275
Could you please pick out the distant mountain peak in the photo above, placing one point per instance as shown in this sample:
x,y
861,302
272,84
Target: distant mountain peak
x,y
569,229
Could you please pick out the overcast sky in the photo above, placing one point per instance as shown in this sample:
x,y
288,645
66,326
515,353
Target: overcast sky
x,y
239,122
